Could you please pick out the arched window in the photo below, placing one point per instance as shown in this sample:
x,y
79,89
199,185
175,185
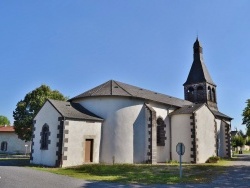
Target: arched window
x,y
213,95
209,93
4,146
191,90
200,94
45,137
161,132
190,94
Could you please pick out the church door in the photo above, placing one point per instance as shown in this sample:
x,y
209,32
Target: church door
x,y
89,150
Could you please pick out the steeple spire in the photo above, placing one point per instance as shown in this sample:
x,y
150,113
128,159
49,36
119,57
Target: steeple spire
x,y
197,47
199,86
198,72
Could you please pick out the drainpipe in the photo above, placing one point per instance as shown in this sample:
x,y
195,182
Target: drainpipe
x,y
170,130
170,133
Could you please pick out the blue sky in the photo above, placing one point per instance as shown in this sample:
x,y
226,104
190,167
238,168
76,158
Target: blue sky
x,y
75,45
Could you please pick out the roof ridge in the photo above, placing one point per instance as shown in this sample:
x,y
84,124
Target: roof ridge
x,y
122,88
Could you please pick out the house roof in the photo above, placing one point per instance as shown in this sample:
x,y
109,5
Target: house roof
x,y
234,133
115,88
198,72
73,110
188,109
7,129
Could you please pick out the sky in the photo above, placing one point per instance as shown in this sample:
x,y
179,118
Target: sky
x,y
75,45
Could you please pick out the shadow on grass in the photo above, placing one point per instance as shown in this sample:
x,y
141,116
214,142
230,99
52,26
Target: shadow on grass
x,y
14,162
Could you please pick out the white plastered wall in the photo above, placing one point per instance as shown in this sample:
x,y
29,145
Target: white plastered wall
x,y
221,133
181,132
47,115
205,134
74,148
14,144
123,137
163,152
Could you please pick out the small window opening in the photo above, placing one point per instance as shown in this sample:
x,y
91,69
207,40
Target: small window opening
x,y
4,146
45,137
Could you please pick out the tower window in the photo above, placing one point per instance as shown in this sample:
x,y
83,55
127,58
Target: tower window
x,y
200,94
190,94
209,93
213,95
191,90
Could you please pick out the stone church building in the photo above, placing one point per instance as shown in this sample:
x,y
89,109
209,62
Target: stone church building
x,y
120,123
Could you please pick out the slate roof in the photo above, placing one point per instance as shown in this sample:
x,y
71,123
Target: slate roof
x,y
219,114
198,72
188,109
73,110
7,129
115,88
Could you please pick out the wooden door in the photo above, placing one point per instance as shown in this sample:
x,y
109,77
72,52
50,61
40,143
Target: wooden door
x,y
89,150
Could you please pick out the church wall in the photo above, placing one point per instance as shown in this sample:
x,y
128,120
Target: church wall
x,y
223,150
123,129
49,116
181,132
220,138
205,134
75,135
163,152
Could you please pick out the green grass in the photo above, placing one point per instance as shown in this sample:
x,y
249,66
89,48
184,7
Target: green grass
x,y
143,174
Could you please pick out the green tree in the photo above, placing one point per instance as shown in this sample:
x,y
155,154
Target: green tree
x,y
246,116
248,142
238,141
4,121
27,109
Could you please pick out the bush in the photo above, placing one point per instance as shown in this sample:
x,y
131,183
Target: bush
x,y
213,159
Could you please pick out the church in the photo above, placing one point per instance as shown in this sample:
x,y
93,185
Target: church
x,y
117,122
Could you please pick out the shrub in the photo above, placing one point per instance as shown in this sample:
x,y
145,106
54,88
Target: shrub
x,y
213,159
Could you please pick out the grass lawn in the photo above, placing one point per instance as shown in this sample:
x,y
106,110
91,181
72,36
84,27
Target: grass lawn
x,y
140,173
143,174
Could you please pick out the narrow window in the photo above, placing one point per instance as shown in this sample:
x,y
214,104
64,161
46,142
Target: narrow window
x,y
45,137
161,133
213,95
209,93
4,146
191,90
200,94
190,94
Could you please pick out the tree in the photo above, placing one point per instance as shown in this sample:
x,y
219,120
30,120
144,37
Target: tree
x,y
238,141
27,109
246,115
4,121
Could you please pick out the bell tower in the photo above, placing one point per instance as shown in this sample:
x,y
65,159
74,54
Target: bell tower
x,y
199,87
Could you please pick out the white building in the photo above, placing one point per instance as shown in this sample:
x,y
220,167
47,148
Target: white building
x,y
120,123
10,143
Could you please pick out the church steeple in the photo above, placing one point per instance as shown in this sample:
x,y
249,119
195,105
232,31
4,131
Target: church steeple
x,y
199,86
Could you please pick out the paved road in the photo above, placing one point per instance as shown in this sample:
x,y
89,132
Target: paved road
x,y
12,176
